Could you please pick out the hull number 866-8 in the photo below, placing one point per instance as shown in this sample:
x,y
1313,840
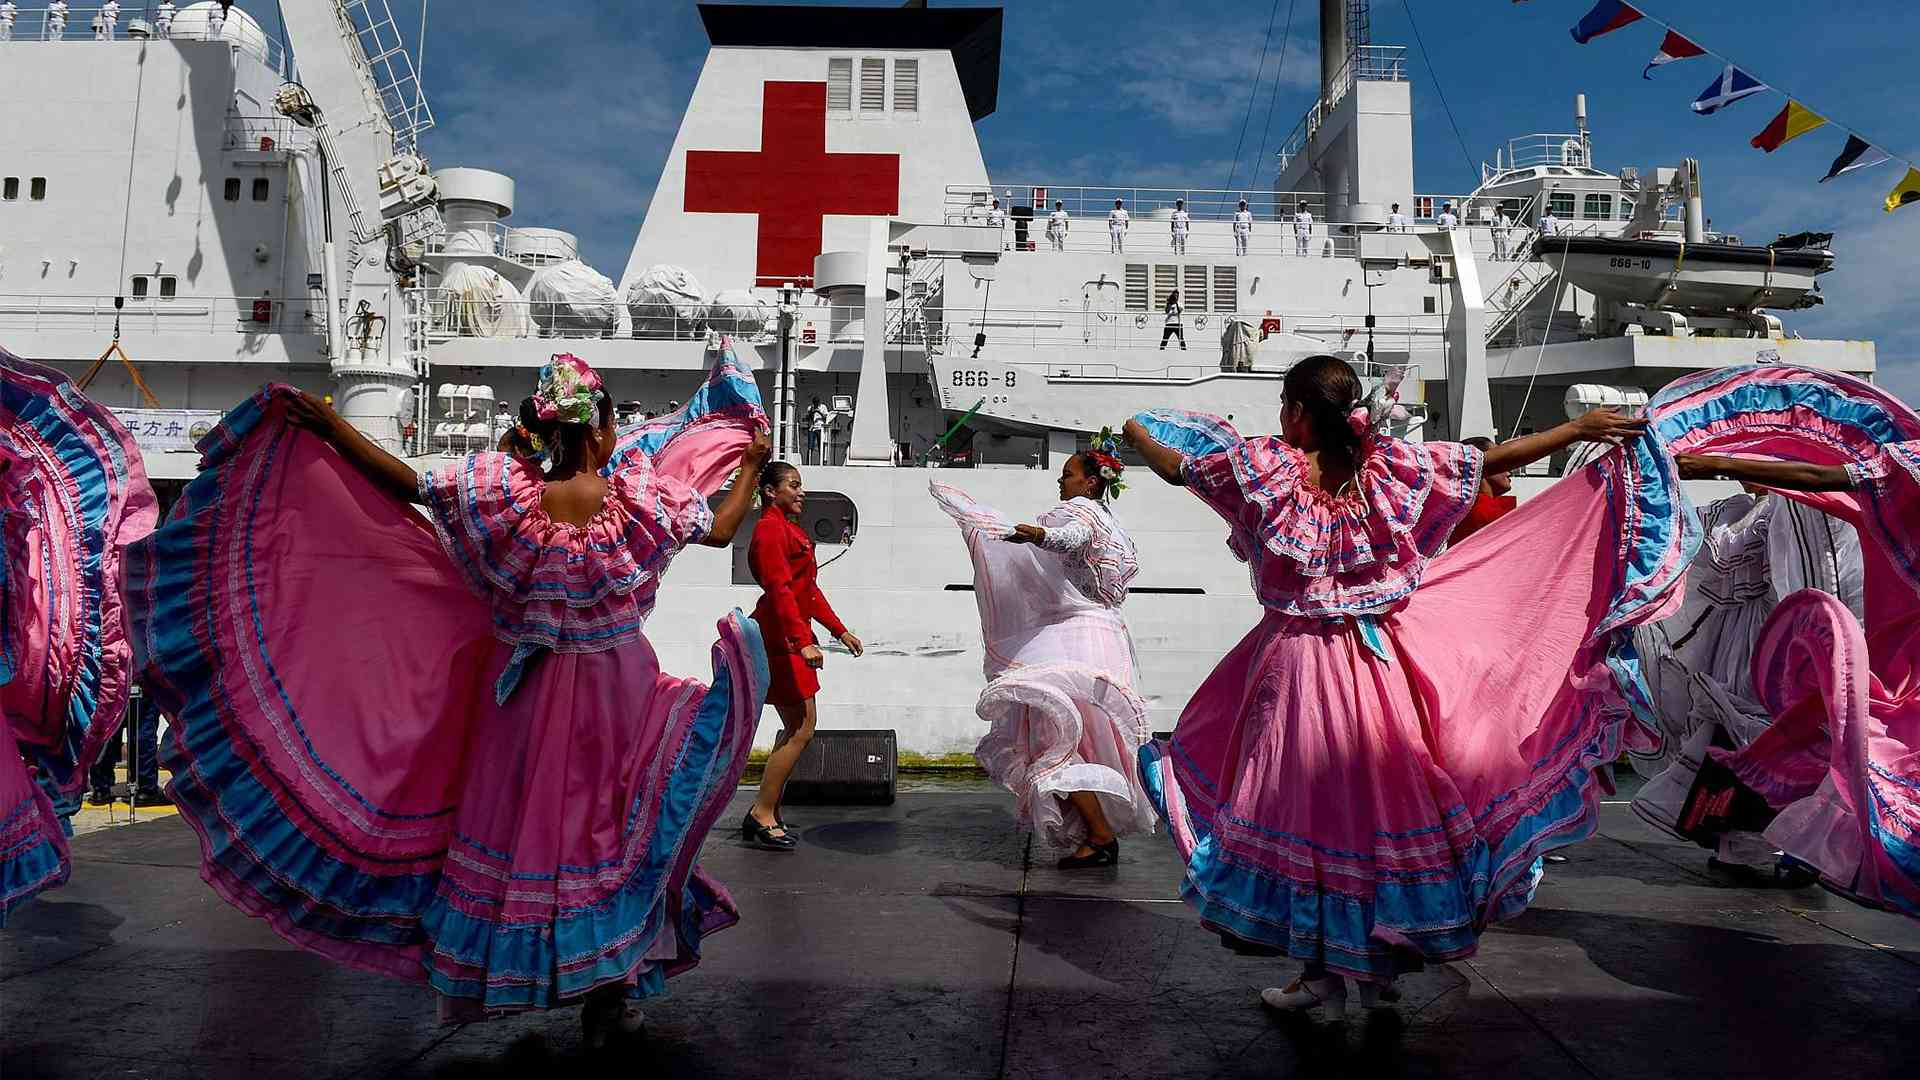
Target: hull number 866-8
x,y
961,377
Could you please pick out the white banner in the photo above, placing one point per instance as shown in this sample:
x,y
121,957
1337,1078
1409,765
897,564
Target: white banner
x,y
161,431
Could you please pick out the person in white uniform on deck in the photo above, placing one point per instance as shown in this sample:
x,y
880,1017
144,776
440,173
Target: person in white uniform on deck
x,y
997,219
163,18
56,20
8,13
217,22
1302,229
1501,224
1396,221
1549,225
1117,222
1447,218
1180,224
1057,226
105,22
1242,228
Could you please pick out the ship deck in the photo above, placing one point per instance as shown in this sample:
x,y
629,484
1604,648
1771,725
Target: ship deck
x,y
930,938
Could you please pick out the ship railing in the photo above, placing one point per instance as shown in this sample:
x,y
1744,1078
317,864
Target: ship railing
x,y
1569,150
185,314
494,236
1088,205
448,315
136,24
267,134
1366,63
1107,329
1215,241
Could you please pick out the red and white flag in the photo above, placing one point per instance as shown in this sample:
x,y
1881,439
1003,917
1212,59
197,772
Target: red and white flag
x,y
1672,47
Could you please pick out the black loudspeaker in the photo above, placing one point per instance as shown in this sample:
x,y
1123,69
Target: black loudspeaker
x,y
839,768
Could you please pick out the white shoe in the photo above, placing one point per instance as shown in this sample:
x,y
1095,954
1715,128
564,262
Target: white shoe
x,y
1302,994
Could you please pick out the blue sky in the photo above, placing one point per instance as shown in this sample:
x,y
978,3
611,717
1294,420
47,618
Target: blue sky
x,y
581,104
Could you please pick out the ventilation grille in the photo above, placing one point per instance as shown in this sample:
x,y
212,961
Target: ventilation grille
x,y
840,85
906,86
873,84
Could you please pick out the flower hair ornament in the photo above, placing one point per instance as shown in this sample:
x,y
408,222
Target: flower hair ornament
x,y
1110,465
534,442
568,391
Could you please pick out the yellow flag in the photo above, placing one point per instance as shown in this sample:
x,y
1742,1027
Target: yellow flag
x,y
1791,122
1906,191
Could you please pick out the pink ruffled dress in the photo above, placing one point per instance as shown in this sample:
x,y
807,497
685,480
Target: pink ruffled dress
x,y
1060,700
72,493
446,752
1366,780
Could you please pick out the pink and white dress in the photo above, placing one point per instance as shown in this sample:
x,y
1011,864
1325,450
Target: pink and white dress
x,y
1367,779
443,749
72,493
1060,694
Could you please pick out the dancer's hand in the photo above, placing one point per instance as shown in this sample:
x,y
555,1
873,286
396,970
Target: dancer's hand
x,y
756,453
1699,466
1132,431
852,642
1027,534
309,413
813,656
1609,426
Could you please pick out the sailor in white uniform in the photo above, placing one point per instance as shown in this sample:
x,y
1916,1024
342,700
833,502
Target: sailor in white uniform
x,y
56,20
1181,223
163,18
1242,228
106,20
1057,226
1117,222
997,219
1302,229
8,13
1501,224
1396,221
217,21
1549,225
1447,219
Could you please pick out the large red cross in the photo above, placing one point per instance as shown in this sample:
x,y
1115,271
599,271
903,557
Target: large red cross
x,y
791,181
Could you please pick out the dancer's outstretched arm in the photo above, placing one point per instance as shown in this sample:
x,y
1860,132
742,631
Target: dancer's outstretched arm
x,y
1164,461
733,509
1600,425
387,472
1786,475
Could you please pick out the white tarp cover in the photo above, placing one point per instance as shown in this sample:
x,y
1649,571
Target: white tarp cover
x,y
738,311
572,299
1236,345
481,303
666,301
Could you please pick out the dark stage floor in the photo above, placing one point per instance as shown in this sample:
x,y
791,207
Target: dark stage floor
x,y
924,939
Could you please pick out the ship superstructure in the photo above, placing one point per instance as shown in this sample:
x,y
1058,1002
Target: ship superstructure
x,y
232,209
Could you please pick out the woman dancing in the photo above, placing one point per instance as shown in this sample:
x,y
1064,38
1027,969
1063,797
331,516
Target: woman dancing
x,y
456,760
1838,759
781,559
73,493
1067,725
1366,780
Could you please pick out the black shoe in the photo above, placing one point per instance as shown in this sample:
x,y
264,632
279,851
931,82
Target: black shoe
x,y
1107,854
99,797
152,797
761,836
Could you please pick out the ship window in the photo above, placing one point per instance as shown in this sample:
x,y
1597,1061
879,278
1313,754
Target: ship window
x,y
261,188
169,287
10,188
37,188
232,190
873,84
1136,286
1626,208
1166,278
1428,304
1598,206
906,86
140,287
840,84
1226,289
1561,203
1193,288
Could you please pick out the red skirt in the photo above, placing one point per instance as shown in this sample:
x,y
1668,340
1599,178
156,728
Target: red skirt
x,y
790,681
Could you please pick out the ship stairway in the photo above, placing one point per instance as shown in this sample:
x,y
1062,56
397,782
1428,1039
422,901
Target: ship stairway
x,y
910,324
415,330
390,69
1530,277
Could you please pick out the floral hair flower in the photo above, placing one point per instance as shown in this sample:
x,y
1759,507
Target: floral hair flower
x,y
1108,464
568,391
